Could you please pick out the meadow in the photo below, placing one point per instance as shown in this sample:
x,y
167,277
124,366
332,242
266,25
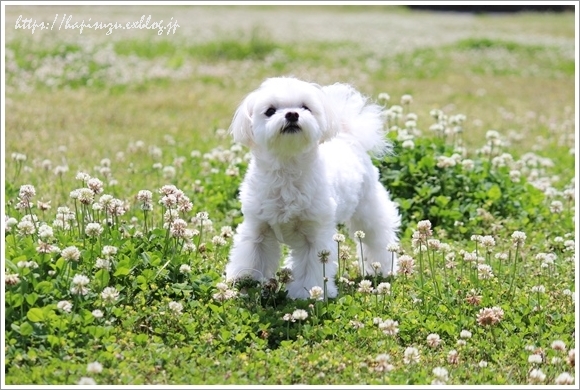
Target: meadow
x,y
121,183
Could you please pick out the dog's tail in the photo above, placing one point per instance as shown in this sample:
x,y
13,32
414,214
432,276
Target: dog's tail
x,y
359,120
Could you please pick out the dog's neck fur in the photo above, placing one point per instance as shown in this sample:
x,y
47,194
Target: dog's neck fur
x,y
286,165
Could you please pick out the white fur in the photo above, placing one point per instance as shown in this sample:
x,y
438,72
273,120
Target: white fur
x,y
300,185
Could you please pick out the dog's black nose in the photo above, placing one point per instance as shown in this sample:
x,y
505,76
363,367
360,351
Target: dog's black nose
x,y
292,116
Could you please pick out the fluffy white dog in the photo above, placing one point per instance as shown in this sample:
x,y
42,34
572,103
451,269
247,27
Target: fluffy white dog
x,y
310,170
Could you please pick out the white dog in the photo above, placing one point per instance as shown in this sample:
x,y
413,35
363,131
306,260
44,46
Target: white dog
x,y
309,171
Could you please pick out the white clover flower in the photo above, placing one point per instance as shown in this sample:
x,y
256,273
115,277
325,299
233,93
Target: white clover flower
x,y
406,99
175,307
86,381
384,288
97,313
539,289
359,234
558,345
411,355
109,294
365,286
338,237
441,373
94,229
103,264
299,315
518,237
11,279
433,340
465,334
65,306
389,327
185,269
484,271
316,293
564,379
71,253
94,368
535,359
536,376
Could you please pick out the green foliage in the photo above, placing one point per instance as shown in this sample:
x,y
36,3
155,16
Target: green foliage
x,y
460,200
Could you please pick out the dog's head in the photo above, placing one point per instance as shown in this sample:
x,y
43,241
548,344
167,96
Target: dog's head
x,y
284,116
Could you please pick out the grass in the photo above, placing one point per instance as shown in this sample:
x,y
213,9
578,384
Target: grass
x,y
139,112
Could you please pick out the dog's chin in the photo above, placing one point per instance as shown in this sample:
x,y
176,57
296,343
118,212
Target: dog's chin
x,y
291,129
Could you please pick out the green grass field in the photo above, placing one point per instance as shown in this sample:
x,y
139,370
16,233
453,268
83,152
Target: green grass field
x,y
97,289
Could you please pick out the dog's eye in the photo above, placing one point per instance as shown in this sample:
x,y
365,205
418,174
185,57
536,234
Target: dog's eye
x,y
305,107
270,111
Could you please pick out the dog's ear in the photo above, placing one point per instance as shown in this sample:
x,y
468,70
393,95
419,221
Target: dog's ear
x,y
332,126
241,127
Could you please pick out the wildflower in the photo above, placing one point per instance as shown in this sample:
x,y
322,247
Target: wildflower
x,y
484,271
383,363
79,284
218,241
97,313
490,316
109,294
394,248
482,364
11,279
441,373
285,275
224,293
185,269
95,185
424,227
384,288
536,376
146,199
27,191
383,96
539,289
178,227
571,357
94,368
45,232
26,227
103,264
465,334
556,207
288,317
433,340
376,266
338,237
406,265
453,357
299,314
473,297
468,164
411,355
564,379
365,286
65,306
316,293
389,327
406,99
226,232
408,144
356,324
518,237
94,229
359,234
87,381
71,253
434,244
109,251
175,307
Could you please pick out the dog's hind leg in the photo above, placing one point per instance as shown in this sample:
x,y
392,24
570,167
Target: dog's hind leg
x,y
377,216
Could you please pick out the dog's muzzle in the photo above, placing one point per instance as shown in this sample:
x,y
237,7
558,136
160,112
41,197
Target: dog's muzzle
x,y
291,125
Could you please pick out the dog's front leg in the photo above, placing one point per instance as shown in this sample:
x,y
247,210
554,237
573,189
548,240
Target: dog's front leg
x,y
306,260
256,252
